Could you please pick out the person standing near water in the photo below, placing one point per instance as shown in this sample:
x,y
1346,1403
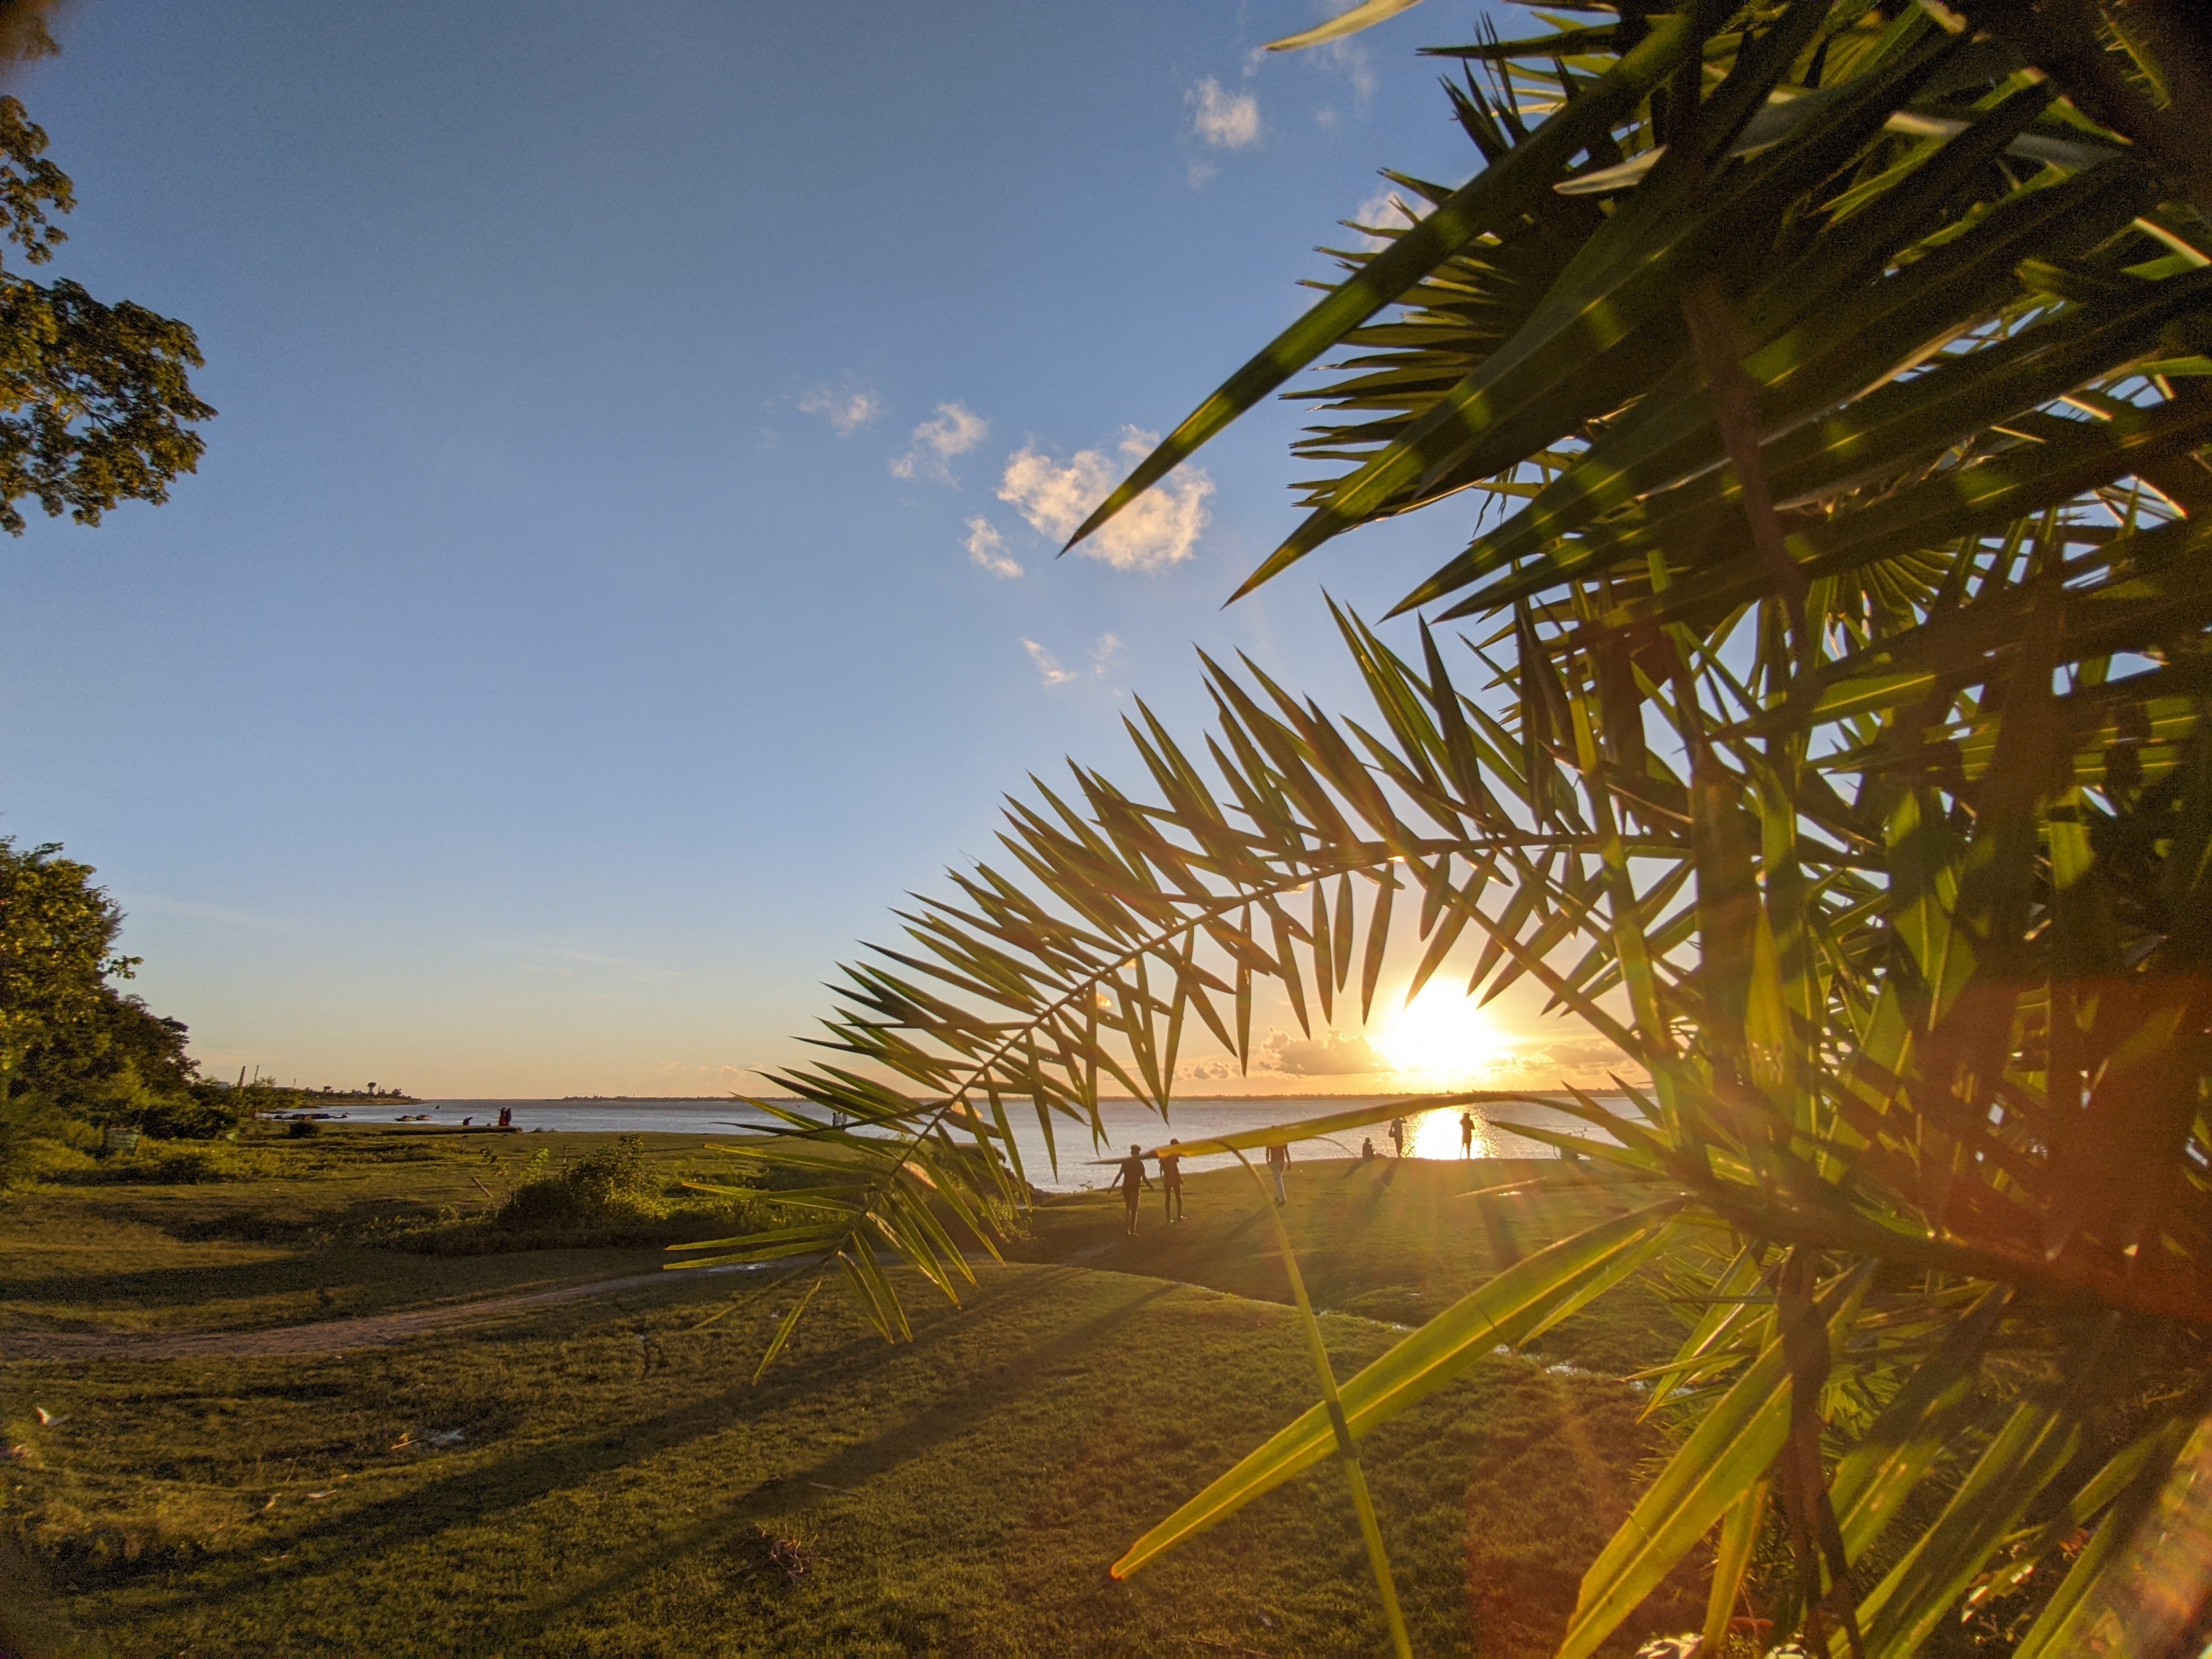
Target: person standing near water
x,y
1172,1182
1466,1135
1132,1180
1278,1163
1398,1137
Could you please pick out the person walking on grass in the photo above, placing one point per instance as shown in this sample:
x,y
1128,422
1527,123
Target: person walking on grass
x,y
1466,1135
1172,1182
1132,1180
1278,1163
1398,1137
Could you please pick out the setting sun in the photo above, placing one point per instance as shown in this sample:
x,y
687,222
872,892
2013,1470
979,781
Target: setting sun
x,y
1442,1036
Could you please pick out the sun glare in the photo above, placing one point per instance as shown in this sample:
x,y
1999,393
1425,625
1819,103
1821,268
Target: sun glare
x,y
1441,1037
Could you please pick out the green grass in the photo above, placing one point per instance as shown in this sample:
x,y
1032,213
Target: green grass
x,y
1393,1241
617,1486
314,1240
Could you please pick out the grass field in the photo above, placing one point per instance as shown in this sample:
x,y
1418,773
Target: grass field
x,y
601,1478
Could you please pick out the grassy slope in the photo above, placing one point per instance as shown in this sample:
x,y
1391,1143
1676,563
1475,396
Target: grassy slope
x,y
299,1245
618,1488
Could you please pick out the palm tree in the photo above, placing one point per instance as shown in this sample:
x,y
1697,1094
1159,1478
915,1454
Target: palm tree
x,y
1828,738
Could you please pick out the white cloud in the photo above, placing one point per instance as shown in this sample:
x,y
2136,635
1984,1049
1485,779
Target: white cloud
x,y
1350,56
1207,1070
1159,528
1048,665
987,547
1385,207
956,430
1227,120
1105,651
847,410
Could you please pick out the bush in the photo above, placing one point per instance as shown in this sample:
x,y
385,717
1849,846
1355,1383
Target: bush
x,y
607,1184
43,1158
204,1112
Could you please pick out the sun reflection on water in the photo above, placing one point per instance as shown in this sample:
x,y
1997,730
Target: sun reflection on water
x,y
1436,1134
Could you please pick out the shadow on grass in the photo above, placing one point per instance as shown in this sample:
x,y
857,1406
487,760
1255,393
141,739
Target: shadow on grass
x,y
930,1426
340,1270
482,1494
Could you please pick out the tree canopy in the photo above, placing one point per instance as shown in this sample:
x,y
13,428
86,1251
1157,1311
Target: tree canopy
x,y
72,1044
96,404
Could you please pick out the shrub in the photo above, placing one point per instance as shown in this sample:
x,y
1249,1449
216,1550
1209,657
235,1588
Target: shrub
x,y
204,1112
606,1184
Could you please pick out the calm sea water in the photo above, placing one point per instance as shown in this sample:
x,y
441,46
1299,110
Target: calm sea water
x,y
1431,1134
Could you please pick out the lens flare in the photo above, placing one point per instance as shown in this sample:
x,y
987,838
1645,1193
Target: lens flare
x,y
1442,1038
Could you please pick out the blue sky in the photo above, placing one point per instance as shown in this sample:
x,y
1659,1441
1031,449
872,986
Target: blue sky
x,y
579,632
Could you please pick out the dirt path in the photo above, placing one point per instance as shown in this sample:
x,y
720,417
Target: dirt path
x,y
324,1336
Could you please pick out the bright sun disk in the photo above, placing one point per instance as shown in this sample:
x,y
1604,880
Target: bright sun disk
x,y
1443,1034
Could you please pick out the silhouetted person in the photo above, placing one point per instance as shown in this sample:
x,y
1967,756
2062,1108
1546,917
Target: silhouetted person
x,y
1367,1150
1466,1135
1278,1163
1132,1180
1172,1182
1398,1137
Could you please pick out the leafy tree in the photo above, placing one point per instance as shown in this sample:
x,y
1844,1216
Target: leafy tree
x,y
57,948
1830,738
71,1044
96,404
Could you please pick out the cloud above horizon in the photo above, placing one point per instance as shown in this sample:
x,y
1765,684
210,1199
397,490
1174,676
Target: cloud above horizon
x,y
1047,666
1161,527
848,411
986,548
929,452
1226,120
1325,1056
1384,210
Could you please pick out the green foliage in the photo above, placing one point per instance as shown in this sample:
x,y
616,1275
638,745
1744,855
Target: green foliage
x,y
57,943
96,404
72,1046
608,1183
1836,751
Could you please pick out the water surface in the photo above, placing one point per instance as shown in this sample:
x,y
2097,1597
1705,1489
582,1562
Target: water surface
x,y
1429,1134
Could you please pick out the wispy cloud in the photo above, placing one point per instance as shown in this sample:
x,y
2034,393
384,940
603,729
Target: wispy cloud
x,y
1105,652
929,455
1161,527
153,904
847,410
1048,665
572,961
1384,210
987,547
1352,58
1226,120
